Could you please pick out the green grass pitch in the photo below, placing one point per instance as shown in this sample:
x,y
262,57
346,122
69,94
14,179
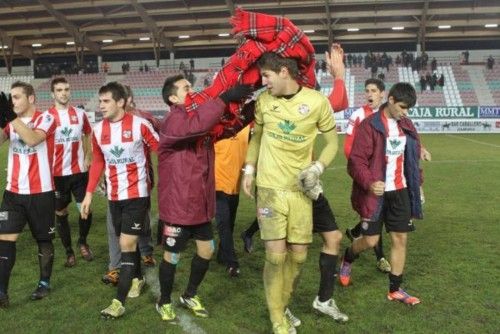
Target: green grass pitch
x,y
452,265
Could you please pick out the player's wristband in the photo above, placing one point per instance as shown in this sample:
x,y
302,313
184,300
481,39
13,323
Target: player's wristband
x,y
248,170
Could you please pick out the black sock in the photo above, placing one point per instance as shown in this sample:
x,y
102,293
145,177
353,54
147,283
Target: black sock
x,y
327,268
138,271
394,282
84,226
379,249
45,259
356,230
7,260
64,233
349,255
126,274
167,275
250,231
199,267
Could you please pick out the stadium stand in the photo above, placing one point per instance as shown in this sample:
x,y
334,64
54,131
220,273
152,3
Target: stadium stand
x,y
493,81
147,88
84,87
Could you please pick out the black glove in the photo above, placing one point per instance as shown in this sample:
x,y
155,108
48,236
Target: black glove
x,y
237,93
7,113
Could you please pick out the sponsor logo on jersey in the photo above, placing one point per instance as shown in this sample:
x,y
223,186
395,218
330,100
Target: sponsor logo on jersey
x,y
287,126
117,151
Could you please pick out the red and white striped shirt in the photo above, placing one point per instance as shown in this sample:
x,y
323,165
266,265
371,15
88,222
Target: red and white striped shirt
x,y
394,155
356,118
121,148
29,169
72,125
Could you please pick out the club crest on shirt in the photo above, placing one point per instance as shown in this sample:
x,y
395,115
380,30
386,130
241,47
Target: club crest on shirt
x,y
127,134
74,118
304,109
30,125
170,241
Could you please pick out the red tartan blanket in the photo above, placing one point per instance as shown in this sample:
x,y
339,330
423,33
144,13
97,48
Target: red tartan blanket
x,y
261,33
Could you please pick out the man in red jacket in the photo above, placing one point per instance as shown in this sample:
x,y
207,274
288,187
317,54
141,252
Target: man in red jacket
x,y
374,93
384,166
186,186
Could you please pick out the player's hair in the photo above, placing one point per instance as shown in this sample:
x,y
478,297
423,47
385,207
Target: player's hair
x,y
274,62
128,91
169,87
377,82
403,92
56,81
28,89
116,89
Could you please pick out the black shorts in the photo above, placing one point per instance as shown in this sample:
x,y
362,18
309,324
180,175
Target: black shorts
x,y
396,215
129,216
75,184
38,210
323,218
177,236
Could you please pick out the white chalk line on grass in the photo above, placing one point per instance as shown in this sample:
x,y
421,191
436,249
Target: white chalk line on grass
x,y
476,161
474,141
185,321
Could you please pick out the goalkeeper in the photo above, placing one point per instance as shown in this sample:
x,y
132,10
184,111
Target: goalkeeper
x,y
288,117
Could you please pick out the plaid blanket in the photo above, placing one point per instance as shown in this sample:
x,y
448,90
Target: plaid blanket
x,y
261,33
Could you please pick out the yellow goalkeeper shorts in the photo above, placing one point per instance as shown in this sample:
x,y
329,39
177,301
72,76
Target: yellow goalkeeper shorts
x,y
284,214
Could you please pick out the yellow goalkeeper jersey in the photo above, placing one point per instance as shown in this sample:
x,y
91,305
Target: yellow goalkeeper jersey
x,y
289,129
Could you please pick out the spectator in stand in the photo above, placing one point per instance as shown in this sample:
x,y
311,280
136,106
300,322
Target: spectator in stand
x,y
433,64
434,80
398,60
466,57
191,64
349,60
323,66
423,84
441,81
360,60
146,68
490,62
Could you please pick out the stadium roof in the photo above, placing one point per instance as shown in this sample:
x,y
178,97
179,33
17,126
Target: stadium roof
x,y
43,27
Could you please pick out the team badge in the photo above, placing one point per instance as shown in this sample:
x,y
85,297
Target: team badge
x,y
304,109
170,241
127,134
74,118
30,125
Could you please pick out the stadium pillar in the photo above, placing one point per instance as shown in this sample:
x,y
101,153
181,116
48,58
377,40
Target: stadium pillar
x,y
99,62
